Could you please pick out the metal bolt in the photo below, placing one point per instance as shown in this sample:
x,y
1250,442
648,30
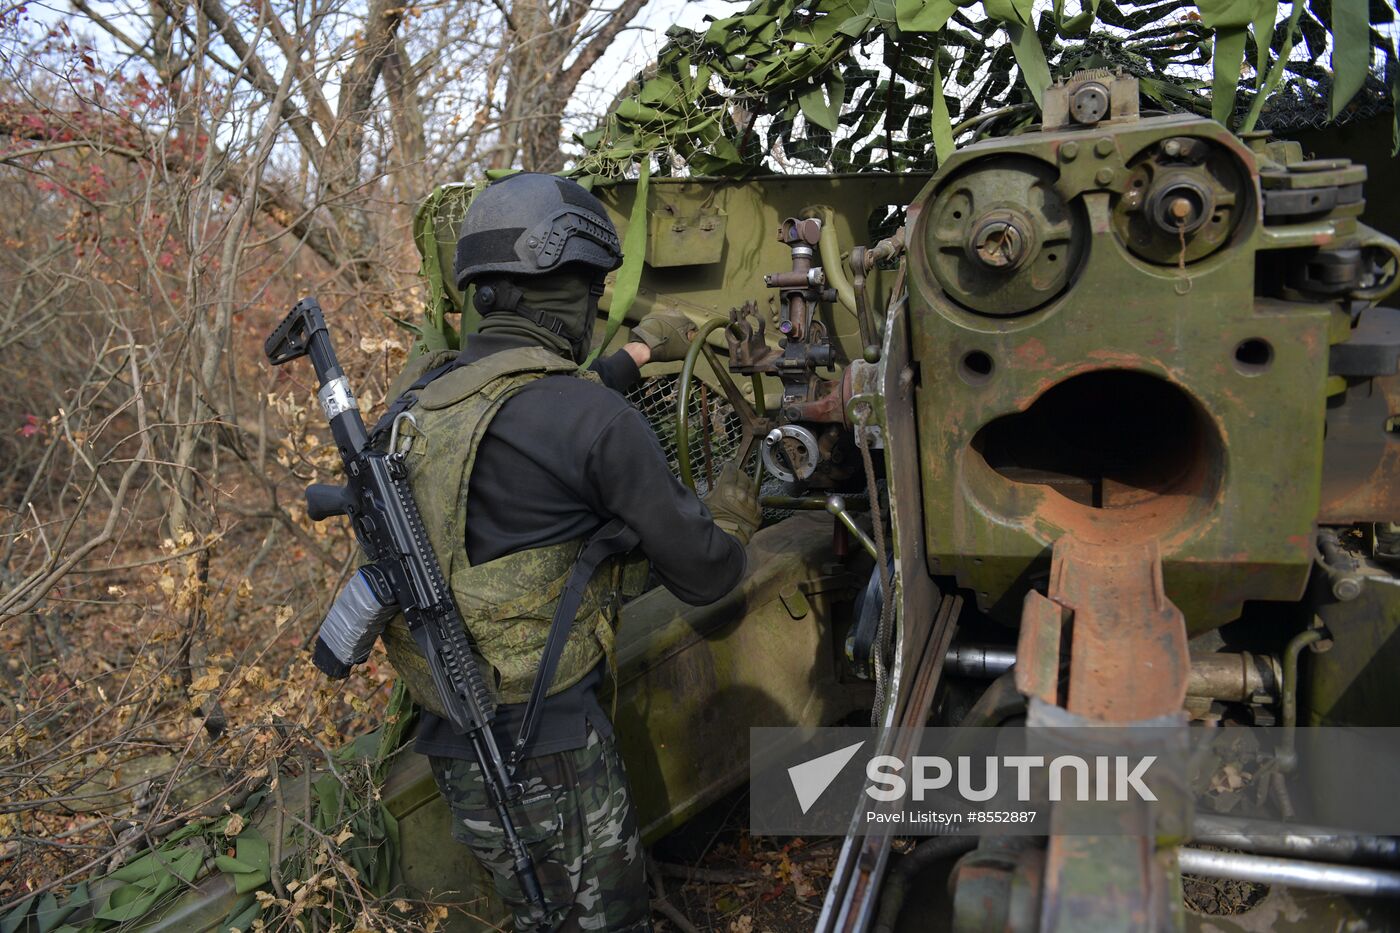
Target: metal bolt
x,y
1104,146
1069,151
1103,176
1346,588
1172,147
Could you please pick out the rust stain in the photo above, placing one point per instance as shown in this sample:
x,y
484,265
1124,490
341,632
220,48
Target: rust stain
x,y
1031,354
1127,653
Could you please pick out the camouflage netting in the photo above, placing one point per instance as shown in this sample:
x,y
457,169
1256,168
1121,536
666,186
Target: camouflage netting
x,y
818,86
890,85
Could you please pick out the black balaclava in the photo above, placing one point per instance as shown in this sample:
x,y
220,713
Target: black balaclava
x,y
565,300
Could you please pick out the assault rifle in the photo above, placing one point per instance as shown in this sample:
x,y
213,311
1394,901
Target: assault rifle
x,y
403,566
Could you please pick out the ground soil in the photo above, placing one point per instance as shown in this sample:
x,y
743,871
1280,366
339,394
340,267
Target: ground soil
x,y
720,878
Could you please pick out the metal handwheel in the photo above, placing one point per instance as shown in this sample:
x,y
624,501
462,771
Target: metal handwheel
x,y
751,415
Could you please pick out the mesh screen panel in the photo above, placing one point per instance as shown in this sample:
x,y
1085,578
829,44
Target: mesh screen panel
x,y
714,428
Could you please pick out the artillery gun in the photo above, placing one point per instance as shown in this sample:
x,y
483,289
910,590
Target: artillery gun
x,y
1113,400
1073,367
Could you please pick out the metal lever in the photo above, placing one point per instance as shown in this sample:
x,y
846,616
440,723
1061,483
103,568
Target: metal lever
x,y
837,506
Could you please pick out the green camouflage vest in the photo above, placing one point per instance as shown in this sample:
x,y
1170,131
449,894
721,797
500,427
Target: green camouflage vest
x,y
507,603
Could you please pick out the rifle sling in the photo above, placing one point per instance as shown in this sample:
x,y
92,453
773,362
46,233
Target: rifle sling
x,y
407,399
613,538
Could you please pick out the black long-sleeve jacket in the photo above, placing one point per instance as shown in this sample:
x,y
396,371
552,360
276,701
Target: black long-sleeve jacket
x,y
560,458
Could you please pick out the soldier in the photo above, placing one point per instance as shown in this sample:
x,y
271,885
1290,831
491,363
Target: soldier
x,y
516,458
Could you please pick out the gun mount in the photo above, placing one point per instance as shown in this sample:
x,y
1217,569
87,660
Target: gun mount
x,y
1104,351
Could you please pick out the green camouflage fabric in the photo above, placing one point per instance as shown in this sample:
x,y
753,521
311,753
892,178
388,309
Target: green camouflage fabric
x,y
577,818
507,603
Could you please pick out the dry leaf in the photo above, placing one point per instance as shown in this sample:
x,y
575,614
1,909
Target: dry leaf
x,y
800,885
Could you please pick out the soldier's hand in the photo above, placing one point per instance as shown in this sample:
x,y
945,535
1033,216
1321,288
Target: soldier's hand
x,y
733,502
667,333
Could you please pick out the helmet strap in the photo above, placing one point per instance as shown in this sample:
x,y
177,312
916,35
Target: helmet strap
x,y
501,296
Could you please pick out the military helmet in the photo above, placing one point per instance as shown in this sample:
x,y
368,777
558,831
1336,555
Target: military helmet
x,y
529,224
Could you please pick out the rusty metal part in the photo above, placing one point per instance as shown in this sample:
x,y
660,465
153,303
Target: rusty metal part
x,y
1121,882
1107,615
997,887
1128,658
862,261
870,346
1235,677
1293,873
887,249
790,452
829,406
1209,350
749,352
814,278
804,287
1001,240
1229,676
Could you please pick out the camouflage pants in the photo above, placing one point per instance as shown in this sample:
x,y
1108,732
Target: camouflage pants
x,y
577,819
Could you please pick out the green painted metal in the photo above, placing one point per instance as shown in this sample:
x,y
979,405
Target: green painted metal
x,y
729,268
1353,682
1237,524
683,397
